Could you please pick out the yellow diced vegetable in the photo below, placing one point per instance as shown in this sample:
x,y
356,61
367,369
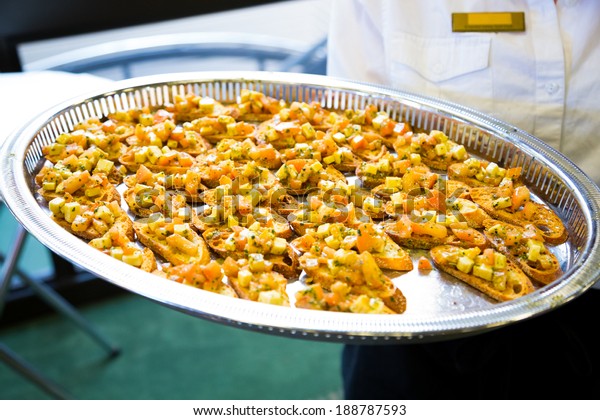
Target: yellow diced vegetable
x,y
464,264
135,258
483,271
71,210
116,252
56,205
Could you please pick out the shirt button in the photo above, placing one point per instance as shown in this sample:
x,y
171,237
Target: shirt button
x,y
551,88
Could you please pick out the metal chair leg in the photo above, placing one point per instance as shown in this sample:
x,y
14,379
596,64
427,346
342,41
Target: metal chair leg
x,y
51,297
64,307
8,356
56,301
30,372
10,263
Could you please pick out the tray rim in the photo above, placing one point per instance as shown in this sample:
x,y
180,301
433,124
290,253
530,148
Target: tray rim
x,y
304,323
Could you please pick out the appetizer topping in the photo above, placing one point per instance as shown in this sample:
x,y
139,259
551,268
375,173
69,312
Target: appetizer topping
x,y
339,299
295,173
164,156
255,239
253,102
489,265
221,126
253,279
249,161
206,277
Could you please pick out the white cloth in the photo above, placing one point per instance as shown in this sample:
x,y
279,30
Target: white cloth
x,y
543,80
25,95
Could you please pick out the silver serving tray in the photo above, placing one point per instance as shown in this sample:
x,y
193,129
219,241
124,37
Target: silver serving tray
x,y
439,307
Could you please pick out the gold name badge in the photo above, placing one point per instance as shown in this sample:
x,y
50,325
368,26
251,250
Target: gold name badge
x,y
488,22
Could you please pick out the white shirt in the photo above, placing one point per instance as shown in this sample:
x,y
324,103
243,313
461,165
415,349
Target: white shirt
x,y
544,80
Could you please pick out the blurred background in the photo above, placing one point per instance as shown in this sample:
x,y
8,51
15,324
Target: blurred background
x,y
60,325
145,37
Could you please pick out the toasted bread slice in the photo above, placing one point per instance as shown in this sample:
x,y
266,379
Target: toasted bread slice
x,y
393,257
214,217
301,176
372,155
149,260
242,152
69,146
239,243
173,162
480,173
550,226
511,283
95,220
410,234
279,200
436,149
82,187
190,106
387,254
205,277
525,248
252,279
118,243
365,237
142,199
325,151
222,127
256,106
339,300
467,211
193,143
303,218
173,240
359,271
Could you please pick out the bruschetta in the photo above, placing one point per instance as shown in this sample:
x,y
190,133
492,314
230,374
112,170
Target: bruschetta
x,y
238,243
481,173
255,106
365,237
489,271
215,129
437,151
526,248
253,278
300,176
118,244
81,186
207,277
157,159
359,271
514,205
241,152
190,106
89,221
339,299
428,230
172,239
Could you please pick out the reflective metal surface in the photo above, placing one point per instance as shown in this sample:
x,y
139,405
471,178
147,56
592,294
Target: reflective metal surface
x,y
439,307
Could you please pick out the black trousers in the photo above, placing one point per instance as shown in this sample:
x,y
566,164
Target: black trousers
x,y
552,356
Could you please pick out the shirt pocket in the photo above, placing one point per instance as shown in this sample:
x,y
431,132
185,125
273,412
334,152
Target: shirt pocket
x,y
441,65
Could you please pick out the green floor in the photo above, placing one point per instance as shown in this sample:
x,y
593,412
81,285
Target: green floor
x,y
165,354
168,355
